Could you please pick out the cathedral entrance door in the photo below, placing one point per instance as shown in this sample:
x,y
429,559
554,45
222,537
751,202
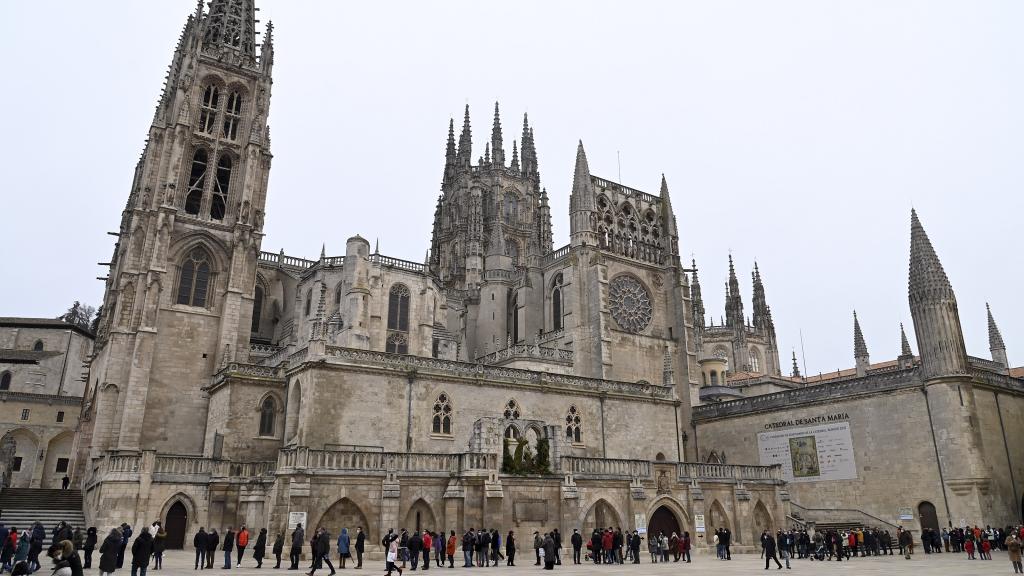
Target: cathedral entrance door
x,y
176,524
929,519
663,521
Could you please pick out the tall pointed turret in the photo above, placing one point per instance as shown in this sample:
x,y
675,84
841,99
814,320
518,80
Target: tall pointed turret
x,y
860,348
995,340
696,298
514,165
906,357
940,339
450,154
796,367
497,148
464,156
762,313
528,150
544,231
733,301
581,202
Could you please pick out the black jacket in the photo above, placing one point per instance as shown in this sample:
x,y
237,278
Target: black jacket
x,y
577,540
199,540
90,539
229,541
212,540
360,541
260,549
142,549
108,553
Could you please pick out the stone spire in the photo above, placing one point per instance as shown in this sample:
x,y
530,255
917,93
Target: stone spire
x,y
796,367
906,357
940,339
544,231
762,313
695,297
995,340
529,153
231,24
733,301
860,348
514,165
668,216
582,204
497,148
465,153
450,154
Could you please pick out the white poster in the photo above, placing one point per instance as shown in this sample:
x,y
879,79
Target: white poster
x,y
640,523
698,522
810,454
296,518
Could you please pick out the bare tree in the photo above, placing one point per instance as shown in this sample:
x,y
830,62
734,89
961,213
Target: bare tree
x,y
79,314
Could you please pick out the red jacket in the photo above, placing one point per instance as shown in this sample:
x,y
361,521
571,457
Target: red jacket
x,y
606,541
243,537
427,541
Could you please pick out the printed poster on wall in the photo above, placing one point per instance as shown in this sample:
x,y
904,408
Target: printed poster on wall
x,y
811,453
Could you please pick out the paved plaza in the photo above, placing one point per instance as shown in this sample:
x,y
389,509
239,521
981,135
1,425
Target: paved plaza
x,y
181,562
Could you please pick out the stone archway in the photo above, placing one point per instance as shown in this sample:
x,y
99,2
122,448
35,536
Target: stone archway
x,y
666,514
928,515
717,518
762,520
26,456
420,517
178,511
600,515
57,460
344,514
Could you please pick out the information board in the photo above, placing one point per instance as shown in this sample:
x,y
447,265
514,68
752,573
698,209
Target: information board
x,y
810,453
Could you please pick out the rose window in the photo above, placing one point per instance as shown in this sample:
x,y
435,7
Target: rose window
x,y
630,303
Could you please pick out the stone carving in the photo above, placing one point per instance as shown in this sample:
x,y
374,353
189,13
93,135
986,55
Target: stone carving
x,y
630,303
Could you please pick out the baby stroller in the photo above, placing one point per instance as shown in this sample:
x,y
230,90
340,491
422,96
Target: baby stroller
x,y
819,554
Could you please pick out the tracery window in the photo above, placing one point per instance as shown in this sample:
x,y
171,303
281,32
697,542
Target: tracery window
x,y
232,116
194,279
755,360
398,320
511,209
268,415
257,308
512,250
442,422
196,182
572,425
5,381
220,188
556,303
512,410
208,110
38,346
629,303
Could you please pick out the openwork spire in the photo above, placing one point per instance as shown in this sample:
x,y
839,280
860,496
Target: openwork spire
x,y
582,197
928,280
465,153
733,299
695,297
231,24
497,148
514,165
450,154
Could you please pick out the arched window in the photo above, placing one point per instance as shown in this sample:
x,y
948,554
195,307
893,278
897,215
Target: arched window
x,y
220,188
511,209
232,116
194,281
196,182
268,415
5,381
512,305
512,251
442,423
309,301
208,109
714,378
572,425
398,320
257,308
556,303
512,410
38,346
511,432
337,295
755,360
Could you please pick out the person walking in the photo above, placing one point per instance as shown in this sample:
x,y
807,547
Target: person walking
x,y
391,545
228,547
298,536
259,550
769,550
212,542
142,549
322,552
159,545
344,548
89,546
278,549
415,545
109,550
510,549
1013,553
242,541
360,547
577,545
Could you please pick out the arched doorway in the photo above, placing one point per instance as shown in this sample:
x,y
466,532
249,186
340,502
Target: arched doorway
x,y
420,517
175,525
58,459
762,520
345,514
663,521
601,515
926,512
717,518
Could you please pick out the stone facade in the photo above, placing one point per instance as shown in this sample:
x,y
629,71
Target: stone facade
x,y
41,366
501,381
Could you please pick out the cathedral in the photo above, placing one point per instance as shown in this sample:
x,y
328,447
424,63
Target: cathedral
x,y
501,381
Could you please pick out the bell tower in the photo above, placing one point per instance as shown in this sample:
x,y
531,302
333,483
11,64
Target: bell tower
x,y
185,261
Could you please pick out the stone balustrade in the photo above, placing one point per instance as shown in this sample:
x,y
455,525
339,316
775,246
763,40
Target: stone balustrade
x,y
527,352
382,462
182,465
730,472
555,255
606,467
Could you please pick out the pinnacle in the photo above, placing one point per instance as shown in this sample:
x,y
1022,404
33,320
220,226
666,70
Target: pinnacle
x,y
796,367
860,348
927,278
995,338
904,343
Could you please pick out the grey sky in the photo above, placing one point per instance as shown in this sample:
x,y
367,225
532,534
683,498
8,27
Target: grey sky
x,y
796,133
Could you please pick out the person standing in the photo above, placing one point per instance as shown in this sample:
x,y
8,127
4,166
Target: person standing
x,y
90,545
344,547
126,533
298,535
159,545
510,549
278,549
242,541
212,542
450,547
577,545
495,547
415,545
108,552
228,547
142,549
1013,552
260,549
684,545
634,546
557,537
783,544
468,545
65,482
360,546
549,552
538,543
428,546
439,548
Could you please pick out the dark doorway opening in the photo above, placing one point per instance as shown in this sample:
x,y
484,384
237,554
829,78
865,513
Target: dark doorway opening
x,y
663,521
175,526
929,519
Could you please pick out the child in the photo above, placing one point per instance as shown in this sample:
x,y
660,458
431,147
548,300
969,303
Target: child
x,y
986,550
969,547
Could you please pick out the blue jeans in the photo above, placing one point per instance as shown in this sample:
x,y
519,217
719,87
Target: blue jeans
x,y
227,560
138,570
468,555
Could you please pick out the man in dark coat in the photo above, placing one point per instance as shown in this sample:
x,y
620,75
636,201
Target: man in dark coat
x,y
142,549
109,550
199,543
322,551
212,541
90,545
415,545
557,537
126,533
577,545
549,552
260,549
298,536
228,547
360,546
768,543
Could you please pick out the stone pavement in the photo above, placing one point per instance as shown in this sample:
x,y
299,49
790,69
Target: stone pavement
x,y
181,562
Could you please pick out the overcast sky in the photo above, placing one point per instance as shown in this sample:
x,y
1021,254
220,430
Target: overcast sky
x,y
798,134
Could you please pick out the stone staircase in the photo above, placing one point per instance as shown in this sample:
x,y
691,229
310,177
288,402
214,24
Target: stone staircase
x,y
22,507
